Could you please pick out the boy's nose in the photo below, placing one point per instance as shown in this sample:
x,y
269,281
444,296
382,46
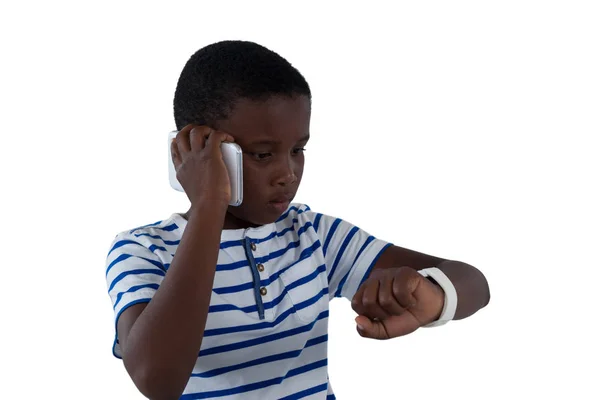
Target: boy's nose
x,y
287,179
285,174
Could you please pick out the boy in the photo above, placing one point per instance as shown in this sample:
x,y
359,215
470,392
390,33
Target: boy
x,y
232,302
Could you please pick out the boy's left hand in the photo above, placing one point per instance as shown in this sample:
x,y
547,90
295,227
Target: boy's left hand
x,y
394,302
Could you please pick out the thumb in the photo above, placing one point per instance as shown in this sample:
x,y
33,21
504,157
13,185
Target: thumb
x,y
370,329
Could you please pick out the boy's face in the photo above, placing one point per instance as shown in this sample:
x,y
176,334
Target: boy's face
x,y
272,134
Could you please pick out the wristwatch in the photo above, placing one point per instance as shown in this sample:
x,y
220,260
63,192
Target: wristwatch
x,y
450,297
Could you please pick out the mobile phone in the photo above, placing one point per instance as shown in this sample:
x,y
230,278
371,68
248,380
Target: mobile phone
x,y
232,155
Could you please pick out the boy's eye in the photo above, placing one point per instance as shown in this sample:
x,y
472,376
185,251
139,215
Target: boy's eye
x,y
299,150
266,156
261,156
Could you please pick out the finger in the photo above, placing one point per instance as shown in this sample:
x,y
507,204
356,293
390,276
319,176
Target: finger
x,y
183,140
405,283
356,303
216,138
198,136
387,300
400,325
175,155
370,301
431,301
370,329
357,300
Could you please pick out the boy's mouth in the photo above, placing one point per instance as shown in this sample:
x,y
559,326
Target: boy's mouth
x,y
279,206
282,198
281,202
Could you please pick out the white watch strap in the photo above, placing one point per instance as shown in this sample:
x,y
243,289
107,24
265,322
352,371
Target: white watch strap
x,y
450,297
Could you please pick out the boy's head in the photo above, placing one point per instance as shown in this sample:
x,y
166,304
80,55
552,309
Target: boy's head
x,y
259,98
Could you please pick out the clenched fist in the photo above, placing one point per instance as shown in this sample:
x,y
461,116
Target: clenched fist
x,y
394,302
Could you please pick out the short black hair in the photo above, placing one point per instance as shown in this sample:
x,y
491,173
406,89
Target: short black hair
x,y
218,75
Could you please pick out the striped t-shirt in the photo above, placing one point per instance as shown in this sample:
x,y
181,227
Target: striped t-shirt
x,y
266,329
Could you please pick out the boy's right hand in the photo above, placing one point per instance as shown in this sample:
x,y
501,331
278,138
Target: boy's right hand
x,y
198,161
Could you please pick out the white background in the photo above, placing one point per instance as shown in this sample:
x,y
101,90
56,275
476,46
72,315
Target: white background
x,y
466,130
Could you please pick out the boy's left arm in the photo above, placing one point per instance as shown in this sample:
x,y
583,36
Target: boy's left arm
x,y
396,299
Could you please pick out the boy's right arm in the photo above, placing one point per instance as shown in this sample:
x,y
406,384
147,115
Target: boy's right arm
x,y
160,340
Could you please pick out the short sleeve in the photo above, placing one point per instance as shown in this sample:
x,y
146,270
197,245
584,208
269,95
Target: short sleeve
x,y
133,274
350,253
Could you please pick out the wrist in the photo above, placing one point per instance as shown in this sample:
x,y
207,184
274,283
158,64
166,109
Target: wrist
x,y
209,206
450,296
207,214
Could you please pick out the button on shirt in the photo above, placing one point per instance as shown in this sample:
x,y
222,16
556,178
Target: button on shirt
x,y
266,330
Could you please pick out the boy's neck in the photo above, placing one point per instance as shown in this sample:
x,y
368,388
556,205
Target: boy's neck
x,y
231,222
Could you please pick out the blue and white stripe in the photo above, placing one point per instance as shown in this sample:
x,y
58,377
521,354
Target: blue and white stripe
x,y
255,346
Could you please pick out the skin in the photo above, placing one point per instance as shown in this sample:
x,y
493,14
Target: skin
x,y
160,340
270,169
396,300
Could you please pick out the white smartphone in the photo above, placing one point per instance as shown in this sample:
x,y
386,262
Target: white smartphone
x,y
232,155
